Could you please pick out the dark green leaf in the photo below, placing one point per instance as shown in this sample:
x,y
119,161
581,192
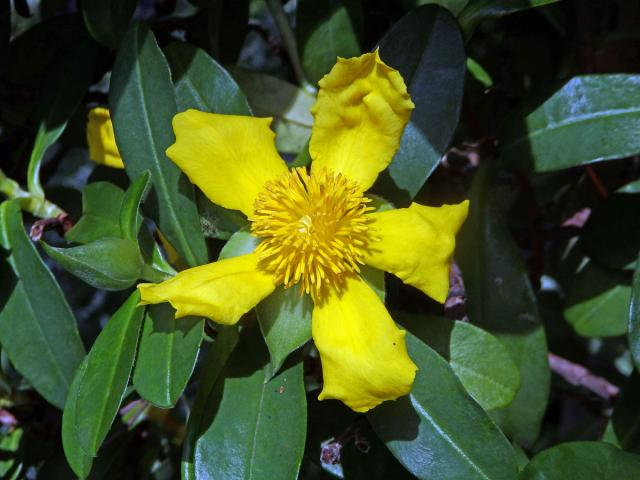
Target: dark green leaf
x,y
37,329
480,361
611,236
101,206
107,20
597,302
478,10
67,82
79,462
438,431
500,300
285,321
167,355
433,69
589,119
325,30
240,243
5,29
242,425
109,263
584,461
219,222
203,84
634,317
11,462
130,219
143,104
625,421
103,385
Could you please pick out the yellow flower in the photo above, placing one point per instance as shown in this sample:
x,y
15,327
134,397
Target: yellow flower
x,y
317,228
101,139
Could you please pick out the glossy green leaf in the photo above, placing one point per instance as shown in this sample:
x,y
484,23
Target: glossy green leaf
x,y
433,70
101,206
202,83
584,461
611,236
289,106
37,328
589,119
634,317
107,20
478,10
285,321
79,462
143,104
109,263
243,426
103,385
67,82
597,302
325,30
480,361
130,218
501,301
438,431
167,355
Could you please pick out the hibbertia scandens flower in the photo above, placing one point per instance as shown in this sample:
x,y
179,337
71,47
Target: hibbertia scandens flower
x,y
317,227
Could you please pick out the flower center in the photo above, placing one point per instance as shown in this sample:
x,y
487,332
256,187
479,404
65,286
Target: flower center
x,y
314,229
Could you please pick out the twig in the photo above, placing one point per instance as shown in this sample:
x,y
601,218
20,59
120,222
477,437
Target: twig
x,y
593,176
581,377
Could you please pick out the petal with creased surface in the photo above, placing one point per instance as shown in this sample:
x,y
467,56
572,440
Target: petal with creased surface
x,y
363,352
359,116
222,291
229,157
417,244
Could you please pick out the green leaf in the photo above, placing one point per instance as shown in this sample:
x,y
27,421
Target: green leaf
x,y
11,462
104,383
202,83
589,119
130,218
66,84
438,431
500,300
634,317
289,106
143,104
326,30
597,302
167,355
480,361
584,461
79,462
243,426
240,243
479,73
101,206
625,422
478,10
285,322
611,236
107,20
433,70
109,263
37,329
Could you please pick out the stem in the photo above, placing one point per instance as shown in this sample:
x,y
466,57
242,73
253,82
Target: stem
x,y
34,204
289,41
581,377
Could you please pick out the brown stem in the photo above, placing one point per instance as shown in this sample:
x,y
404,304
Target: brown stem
x,y
581,377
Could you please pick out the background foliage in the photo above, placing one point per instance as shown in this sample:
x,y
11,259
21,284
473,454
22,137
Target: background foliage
x,y
529,108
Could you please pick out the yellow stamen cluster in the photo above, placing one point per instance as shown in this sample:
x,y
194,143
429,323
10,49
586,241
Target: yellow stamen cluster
x,y
314,229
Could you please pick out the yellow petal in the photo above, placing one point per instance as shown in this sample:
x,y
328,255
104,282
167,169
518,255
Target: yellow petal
x,y
229,157
363,353
360,114
222,291
417,244
101,139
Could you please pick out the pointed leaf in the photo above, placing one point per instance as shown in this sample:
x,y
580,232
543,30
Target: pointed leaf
x,y
37,329
143,104
130,218
167,355
107,20
79,462
634,317
105,379
101,205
